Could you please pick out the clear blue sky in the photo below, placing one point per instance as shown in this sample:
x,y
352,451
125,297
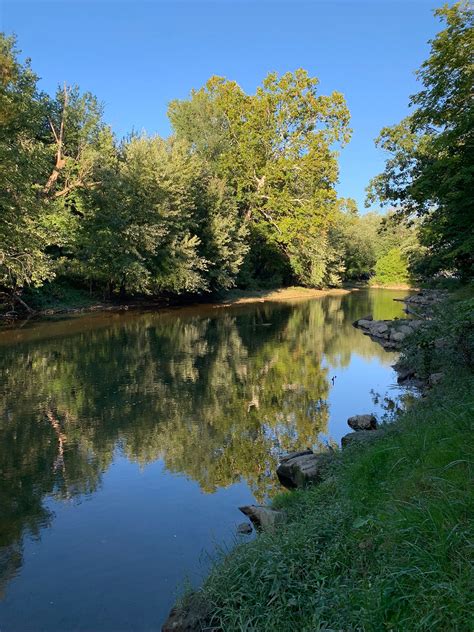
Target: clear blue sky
x,y
137,56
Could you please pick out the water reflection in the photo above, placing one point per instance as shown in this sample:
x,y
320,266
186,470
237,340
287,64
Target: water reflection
x,y
217,394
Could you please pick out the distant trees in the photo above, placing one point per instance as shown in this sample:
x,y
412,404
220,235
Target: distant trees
x,y
430,171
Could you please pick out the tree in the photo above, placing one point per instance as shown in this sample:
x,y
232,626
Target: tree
x,y
160,221
24,165
430,172
275,149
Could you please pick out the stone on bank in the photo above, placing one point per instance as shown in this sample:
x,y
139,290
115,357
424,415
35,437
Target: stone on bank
x,y
299,469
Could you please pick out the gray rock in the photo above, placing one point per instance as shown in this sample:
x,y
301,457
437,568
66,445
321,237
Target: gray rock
x,y
360,437
190,616
404,373
263,518
435,378
362,422
405,329
300,468
397,336
244,528
363,324
380,328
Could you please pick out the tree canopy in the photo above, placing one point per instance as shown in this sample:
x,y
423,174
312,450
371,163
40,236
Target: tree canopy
x,y
430,170
276,149
242,193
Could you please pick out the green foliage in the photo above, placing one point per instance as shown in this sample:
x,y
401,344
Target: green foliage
x,y
391,268
430,173
275,149
160,221
24,166
447,339
374,546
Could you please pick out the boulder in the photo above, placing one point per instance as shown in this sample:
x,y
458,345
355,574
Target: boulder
x,y
363,323
404,373
300,468
263,518
360,437
244,528
397,336
190,616
405,329
362,422
435,378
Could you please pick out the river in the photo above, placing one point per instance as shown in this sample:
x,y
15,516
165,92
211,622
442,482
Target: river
x,y
128,441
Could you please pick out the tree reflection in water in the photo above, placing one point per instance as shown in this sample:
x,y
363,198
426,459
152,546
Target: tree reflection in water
x,y
218,394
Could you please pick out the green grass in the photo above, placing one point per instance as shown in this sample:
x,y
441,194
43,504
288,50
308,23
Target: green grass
x,y
385,543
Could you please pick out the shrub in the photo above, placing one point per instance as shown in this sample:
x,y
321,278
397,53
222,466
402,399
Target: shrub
x,y
392,268
445,341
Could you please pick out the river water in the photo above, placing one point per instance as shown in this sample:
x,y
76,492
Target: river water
x,y
128,441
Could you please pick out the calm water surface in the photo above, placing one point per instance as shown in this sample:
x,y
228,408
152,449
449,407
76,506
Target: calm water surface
x,y
127,442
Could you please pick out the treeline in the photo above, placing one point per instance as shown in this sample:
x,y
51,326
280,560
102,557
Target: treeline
x,y
242,193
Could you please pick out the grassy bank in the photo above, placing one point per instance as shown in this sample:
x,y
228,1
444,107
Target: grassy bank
x,y
382,544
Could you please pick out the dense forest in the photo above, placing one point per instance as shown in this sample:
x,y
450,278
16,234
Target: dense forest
x,y
243,193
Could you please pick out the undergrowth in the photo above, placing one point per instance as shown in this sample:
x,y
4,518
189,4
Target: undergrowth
x,y
385,543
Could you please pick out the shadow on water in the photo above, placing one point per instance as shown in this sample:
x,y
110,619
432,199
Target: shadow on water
x,y
216,395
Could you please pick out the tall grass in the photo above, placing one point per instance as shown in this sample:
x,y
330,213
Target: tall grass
x,y
385,543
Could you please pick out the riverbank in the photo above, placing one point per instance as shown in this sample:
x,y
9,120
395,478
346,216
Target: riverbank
x,y
382,541
65,301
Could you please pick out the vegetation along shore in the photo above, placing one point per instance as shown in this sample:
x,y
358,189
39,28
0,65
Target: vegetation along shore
x,y
376,536
128,439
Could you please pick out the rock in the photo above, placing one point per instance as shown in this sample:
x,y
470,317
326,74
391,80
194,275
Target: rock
x,y
405,329
190,616
379,328
300,468
362,422
397,336
363,324
263,518
360,437
244,528
404,373
435,378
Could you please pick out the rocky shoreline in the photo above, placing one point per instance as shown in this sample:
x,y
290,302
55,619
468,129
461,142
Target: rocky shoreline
x,y
300,469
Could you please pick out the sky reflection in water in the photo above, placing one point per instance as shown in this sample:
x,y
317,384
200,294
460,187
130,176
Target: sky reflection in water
x,y
127,442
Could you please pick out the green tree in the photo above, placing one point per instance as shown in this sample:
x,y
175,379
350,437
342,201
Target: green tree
x,y
430,173
275,149
23,167
160,221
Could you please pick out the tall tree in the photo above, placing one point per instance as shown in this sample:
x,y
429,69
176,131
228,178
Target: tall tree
x,y
276,150
430,171
159,221
23,167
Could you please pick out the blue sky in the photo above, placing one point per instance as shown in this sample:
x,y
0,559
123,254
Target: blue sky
x,y
137,56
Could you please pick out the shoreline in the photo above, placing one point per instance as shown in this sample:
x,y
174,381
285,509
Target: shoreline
x,y
229,299
319,485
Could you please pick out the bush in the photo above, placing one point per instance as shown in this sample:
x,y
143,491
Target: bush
x,y
392,268
374,546
445,341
